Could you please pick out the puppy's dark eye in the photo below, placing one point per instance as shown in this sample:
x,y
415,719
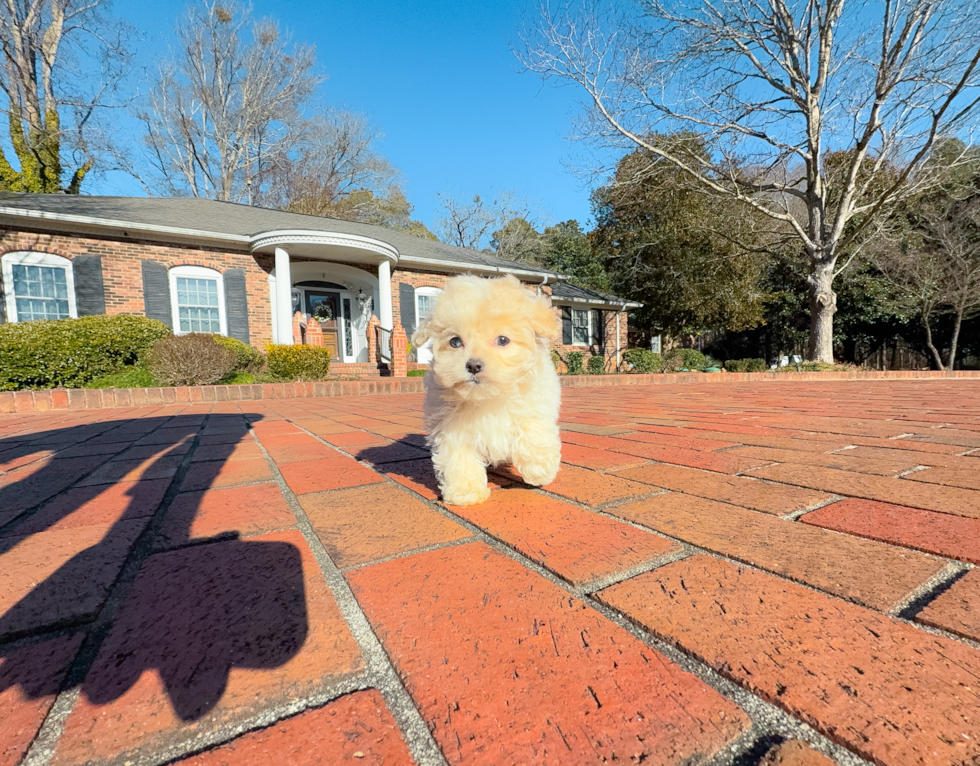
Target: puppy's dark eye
x,y
456,342
502,340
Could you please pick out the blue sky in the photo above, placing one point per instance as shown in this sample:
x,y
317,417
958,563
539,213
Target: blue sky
x,y
440,80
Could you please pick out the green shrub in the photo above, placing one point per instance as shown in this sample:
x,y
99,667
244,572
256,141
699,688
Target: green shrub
x,y
248,359
746,365
190,360
573,361
643,360
685,359
416,373
131,376
816,367
596,365
303,362
238,378
556,359
48,353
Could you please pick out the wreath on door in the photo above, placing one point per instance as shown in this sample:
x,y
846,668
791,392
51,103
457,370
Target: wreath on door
x,y
323,312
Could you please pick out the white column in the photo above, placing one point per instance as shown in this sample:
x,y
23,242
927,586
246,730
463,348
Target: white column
x,y
384,295
284,299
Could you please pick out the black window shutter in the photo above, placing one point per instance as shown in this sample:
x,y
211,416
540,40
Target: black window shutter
x,y
566,325
156,292
236,304
3,302
598,330
406,299
89,289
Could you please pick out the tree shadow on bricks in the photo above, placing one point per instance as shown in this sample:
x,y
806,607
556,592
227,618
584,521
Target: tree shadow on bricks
x,y
191,614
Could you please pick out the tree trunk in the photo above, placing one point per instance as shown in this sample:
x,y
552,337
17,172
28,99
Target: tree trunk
x,y
823,306
936,356
951,362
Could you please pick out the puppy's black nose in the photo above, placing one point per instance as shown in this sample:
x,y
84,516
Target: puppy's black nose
x,y
474,366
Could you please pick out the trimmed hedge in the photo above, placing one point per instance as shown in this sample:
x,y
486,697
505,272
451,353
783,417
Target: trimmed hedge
x,y
303,362
52,353
685,359
643,360
248,359
746,365
596,365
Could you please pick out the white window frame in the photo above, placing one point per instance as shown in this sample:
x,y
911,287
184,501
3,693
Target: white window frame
x,y
196,272
588,314
32,258
425,292
424,353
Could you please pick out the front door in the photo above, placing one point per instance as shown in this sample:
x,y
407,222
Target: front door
x,y
325,306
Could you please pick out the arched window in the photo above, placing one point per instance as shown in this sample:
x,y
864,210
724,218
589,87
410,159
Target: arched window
x,y
425,298
38,286
198,298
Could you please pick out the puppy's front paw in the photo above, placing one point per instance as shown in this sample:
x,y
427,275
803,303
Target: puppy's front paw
x,y
465,495
542,468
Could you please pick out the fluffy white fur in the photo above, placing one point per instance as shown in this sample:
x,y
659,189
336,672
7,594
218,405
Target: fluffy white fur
x,y
507,412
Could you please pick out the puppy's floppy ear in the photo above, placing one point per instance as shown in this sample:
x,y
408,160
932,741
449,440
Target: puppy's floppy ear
x,y
422,334
544,319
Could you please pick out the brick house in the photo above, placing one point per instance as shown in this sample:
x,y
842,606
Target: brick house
x,y
252,273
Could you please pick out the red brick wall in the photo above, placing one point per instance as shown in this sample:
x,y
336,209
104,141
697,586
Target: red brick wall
x,y
123,278
609,333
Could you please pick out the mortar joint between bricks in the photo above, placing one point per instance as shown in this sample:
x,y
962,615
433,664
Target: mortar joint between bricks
x,y
916,469
793,516
928,591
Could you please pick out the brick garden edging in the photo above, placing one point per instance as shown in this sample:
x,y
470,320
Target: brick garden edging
x,y
105,398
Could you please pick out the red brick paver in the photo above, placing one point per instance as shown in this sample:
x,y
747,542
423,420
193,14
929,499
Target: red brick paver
x,y
575,544
514,671
941,533
355,729
30,678
375,522
889,691
749,493
207,583
869,572
958,609
240,510
337,472
209,633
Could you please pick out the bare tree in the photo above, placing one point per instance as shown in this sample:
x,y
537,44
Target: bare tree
x,y
470,224
60,63
227,107
518,240
335,158
935,270
775,88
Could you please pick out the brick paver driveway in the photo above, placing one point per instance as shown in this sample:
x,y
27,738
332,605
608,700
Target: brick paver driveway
x,y
723,573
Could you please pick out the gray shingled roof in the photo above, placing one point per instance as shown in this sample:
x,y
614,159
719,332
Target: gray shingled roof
x,y
228,218
564,291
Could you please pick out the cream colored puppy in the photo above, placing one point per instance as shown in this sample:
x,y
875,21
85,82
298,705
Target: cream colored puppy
x,y
491,392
